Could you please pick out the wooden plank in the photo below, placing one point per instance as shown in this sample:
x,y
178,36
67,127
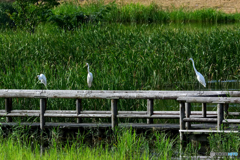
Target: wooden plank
x,y
234,113
149,110
114,113
8,108
43,103
119,112
220,115
210,99
204,109
61,111
200,116
148,117
20,115
207,131
231,121
106,125
25,111
78,109
188,113
78,115
200,119
110,94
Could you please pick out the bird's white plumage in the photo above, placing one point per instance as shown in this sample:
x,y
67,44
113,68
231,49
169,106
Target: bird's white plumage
x,y
42,79
89,77
200,77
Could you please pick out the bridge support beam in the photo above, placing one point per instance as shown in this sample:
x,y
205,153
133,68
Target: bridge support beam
x,y
78,109
43,105
150,110
114,113
8,108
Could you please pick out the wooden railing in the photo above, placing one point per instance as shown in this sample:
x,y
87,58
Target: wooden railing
x,y
222,111
43,95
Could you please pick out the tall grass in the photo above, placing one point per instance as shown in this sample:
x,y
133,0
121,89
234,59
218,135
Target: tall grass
x,y
138,13
121,57
126,145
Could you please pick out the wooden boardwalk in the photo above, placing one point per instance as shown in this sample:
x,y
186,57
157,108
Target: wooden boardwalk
x,y
212,119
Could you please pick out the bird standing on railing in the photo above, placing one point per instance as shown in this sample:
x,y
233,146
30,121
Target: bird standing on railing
x,y
89,77
200,77
42,78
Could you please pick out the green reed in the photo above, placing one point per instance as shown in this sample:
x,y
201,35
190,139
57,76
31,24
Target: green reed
x,y
121,57
124,144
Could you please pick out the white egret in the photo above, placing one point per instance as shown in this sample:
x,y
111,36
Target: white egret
x,y
42,79
89,77
199,75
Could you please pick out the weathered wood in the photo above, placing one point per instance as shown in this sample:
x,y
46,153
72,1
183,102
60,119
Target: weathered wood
x,y
78,115
200,119
200,116
114,113
225,109
234,113
43,103
207,131
204,109
19,115
210,99
25,111
149,110
119,112
188,113
8,108
106,125
182,115
147,116
220,115
78,109
80,94
231,121
181,124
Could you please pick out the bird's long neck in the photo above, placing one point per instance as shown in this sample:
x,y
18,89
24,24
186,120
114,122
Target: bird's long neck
x,y
88,68
194,66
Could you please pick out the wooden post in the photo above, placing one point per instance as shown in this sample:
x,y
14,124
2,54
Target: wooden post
x,y
149,110
204,110
219,115
182,115
188,113
43,105
114,113
182,125
8,108
226,106
78,109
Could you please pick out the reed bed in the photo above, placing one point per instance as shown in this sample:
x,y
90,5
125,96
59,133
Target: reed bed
x,y
124,144
121,57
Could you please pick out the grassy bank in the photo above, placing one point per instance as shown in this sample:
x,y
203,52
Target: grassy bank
x,y
124,144
138,13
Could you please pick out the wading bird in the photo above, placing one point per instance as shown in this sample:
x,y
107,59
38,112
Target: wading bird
x,y
199,75
42,79
89,77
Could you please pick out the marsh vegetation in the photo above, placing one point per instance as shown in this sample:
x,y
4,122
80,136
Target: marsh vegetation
x,y
129,47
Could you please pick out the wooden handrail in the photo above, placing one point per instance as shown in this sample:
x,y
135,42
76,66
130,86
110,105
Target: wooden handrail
x,y
105,94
